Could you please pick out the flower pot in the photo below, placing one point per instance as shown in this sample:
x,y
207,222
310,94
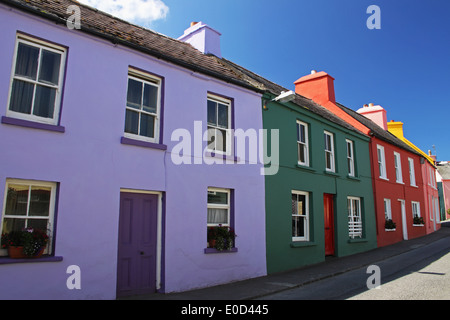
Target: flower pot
x,y
16,252
39,253
212,243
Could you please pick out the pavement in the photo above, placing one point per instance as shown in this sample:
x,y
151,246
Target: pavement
x,y
274,283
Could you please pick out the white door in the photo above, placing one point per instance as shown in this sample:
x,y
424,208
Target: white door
x,y
404,225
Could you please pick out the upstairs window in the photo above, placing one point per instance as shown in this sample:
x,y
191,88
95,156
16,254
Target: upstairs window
x,y
219,125
412,174
350,158
302,143
381,162
143,106
398,168
37,81
329,152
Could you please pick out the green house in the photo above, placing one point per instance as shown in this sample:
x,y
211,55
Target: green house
x,y
320,202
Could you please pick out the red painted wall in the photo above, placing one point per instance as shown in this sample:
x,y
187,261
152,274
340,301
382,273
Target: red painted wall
x,y
390,189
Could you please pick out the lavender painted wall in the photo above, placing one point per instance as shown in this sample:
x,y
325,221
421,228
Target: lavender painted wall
x,y
91,166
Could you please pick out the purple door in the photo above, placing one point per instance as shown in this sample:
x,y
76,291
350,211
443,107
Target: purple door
x,y
136,264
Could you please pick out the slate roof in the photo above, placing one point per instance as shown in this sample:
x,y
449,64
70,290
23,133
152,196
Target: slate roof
x,y
444,170
378,131
118,31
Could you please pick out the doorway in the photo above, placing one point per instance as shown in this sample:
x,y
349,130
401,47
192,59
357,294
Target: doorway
x,y
137,244
328,204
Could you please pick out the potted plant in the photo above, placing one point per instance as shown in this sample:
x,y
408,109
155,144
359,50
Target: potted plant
x,y
26,243
390,225
221,238
418,220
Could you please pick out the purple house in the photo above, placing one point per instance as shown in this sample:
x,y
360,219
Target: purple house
x,y
117,140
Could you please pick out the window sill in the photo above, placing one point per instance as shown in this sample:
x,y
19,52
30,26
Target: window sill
x,y
222,156
331,173
418,225
359,240
302,244
300,166
215,251
7,260
353,178
32,124
390,230
144,144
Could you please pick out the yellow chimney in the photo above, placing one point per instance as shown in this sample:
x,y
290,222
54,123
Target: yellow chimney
x,y
396,128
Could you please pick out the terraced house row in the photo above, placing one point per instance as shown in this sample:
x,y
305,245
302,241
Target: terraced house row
x,y
132,149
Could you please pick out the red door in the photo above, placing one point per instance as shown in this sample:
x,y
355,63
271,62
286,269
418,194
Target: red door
x,y
328,204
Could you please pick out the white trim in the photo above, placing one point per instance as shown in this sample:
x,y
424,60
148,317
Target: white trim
x,y
412,172
220,206
42,45
330,152
351,157
305,144
227,102
387,209
52,204
355,228
305,216
398,167
381,162
154,81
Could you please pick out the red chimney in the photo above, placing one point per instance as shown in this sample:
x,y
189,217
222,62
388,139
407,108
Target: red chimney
x,y
319,87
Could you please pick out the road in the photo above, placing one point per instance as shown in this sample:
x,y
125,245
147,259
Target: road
x,y
420,274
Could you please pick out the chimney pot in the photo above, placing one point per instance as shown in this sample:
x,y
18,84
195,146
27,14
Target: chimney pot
x,y
371,104
313,71
193,23
366,106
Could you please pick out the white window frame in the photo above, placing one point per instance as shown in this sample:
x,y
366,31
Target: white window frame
x,y
228,103
304,144
152,80
387,209
42,45
355,227
52,204
381,162
350,157
220,206
304,216
398,167
412,173
329,152
415,207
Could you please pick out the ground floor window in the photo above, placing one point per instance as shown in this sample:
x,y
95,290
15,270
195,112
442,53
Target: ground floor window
x,y
221,233
300,216
28,205
355,227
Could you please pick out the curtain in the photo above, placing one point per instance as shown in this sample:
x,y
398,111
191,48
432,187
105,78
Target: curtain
x,y
217,216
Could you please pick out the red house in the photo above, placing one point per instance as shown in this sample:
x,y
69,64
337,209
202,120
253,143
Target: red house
x,y
397,180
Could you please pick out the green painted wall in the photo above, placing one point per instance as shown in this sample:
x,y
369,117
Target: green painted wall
x,y
282,253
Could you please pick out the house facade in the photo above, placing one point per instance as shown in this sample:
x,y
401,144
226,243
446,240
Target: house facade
x,y
320,203
428,171
110,139
397,180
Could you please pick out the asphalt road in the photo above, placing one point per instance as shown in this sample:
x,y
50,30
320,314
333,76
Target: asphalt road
x,y
419,274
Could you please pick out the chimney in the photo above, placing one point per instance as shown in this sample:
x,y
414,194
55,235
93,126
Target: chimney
x,y
396,128
203,38
432,156
375,113
318,86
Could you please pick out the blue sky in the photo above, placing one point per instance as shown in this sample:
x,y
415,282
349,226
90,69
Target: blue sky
x,y
404,66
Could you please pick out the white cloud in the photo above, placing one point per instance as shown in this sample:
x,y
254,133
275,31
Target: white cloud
x,y
136,11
